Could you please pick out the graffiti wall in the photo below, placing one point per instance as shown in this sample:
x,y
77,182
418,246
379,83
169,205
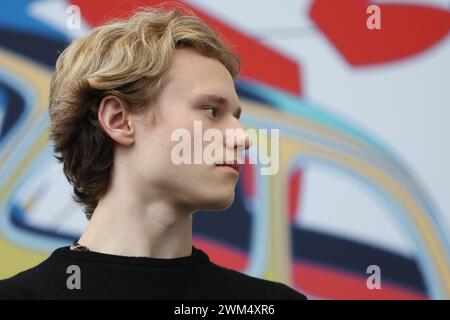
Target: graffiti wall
x,y
359,91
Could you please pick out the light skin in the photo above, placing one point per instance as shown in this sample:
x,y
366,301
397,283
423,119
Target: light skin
x,y
148,207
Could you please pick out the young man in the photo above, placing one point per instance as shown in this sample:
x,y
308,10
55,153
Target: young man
x,y
117,97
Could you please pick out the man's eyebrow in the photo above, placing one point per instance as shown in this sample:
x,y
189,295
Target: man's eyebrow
x,y
204,98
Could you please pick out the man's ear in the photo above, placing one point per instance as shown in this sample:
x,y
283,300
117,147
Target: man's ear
x,y
115,120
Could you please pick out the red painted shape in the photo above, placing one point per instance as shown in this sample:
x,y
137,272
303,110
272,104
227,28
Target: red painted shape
x,y
259,62
406,29
325,283
248,179
294,193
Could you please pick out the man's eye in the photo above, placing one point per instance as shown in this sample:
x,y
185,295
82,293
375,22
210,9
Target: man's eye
x,y
212,111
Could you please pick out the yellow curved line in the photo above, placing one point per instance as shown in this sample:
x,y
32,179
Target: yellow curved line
x,y
13,257
39,79
417,215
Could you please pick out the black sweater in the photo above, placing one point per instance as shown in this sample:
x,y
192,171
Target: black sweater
x,y
69,274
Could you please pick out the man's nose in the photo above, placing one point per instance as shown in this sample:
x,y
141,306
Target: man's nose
x,y
237,138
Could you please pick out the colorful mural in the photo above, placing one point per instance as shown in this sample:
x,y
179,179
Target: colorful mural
x,y
328,162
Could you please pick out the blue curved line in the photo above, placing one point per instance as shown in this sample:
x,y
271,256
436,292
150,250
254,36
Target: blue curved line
x,y
28,95
293,105
3,100
15,15
296,133
258,241
19,235
433,283
23,148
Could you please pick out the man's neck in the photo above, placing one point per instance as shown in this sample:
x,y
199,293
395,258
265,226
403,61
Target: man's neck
x,y
155,230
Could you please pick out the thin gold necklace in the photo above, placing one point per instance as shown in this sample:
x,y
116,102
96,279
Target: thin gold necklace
x,y
78,247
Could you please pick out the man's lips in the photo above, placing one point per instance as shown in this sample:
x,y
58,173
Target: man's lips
x,y
234,166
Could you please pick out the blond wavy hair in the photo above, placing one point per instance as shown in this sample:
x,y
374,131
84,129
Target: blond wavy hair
x,y
128,58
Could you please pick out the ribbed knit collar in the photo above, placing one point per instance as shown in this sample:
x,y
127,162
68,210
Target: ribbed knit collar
x,y
197,257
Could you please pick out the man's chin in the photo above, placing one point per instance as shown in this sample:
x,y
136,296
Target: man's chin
x,y
218,204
